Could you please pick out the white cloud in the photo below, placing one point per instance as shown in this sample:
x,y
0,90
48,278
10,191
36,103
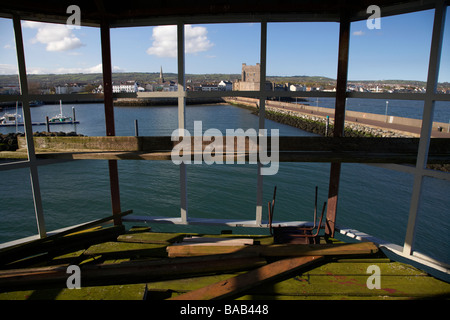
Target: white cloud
x,y
358,33
165,41
56,37
11,69
8,69
94,69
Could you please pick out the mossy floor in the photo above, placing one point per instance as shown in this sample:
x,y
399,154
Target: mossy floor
x,y
335,278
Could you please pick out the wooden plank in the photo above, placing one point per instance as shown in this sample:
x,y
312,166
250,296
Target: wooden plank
x,y
235,285
280,250
124,249
151,237
66,241
207,241
128,272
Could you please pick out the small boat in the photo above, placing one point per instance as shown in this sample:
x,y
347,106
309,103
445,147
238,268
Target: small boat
x,y
9,119
60,117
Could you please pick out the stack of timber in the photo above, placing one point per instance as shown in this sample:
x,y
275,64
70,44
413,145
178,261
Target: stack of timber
x,y
141,264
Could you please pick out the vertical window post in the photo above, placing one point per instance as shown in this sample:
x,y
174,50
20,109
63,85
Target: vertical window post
x,y
339,121
181,118
262,111
34,177
109,117
427,122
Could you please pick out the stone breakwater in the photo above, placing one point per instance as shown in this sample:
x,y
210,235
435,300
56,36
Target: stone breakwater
x,y
317,124
313,123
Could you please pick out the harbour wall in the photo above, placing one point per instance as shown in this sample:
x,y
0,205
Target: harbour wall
x,y
315,119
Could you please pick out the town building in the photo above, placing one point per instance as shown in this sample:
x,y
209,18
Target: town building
x,y
70,88
126,87
250,79
225,85
297,87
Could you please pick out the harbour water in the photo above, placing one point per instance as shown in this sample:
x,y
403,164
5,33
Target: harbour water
x,y
372,200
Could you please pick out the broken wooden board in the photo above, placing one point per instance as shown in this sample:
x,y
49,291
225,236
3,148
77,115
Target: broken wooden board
x,y
235,285
277,250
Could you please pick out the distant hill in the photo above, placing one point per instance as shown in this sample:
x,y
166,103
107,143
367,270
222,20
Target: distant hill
x,y
51,80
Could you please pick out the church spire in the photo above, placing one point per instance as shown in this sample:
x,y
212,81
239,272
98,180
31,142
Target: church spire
x,y
161,77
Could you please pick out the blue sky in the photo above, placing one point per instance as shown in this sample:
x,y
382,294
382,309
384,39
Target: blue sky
x,y
399,50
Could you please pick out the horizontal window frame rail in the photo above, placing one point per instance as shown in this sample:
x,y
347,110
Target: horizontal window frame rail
x,y
224,94
291,149
286,143
254,17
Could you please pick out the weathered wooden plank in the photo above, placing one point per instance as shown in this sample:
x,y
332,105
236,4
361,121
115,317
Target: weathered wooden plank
x,y
278,250
242,282
208,241
151,237
125,249
128,272
58,244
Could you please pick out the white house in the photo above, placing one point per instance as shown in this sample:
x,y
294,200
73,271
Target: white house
x,y
225,85
69,88
296,87
128,87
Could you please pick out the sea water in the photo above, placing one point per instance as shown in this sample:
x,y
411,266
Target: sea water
x,y
371,199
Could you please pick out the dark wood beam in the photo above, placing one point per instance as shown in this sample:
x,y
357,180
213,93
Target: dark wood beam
x,y
109,116
339,121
